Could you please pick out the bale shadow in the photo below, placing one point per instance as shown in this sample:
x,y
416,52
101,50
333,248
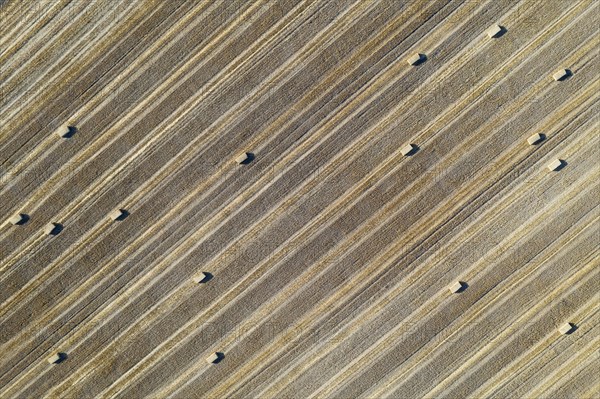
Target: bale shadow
x,y
62,357
220,357
563,164
568,74
24,219
572,330
421,60
71,132
57,229
463,287
414,150
541,140
123,216
250,158
503,30
207,277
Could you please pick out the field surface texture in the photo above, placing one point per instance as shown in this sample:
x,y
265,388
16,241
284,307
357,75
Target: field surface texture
x,y
388,199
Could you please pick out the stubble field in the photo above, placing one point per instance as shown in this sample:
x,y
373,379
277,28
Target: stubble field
x,y
330,251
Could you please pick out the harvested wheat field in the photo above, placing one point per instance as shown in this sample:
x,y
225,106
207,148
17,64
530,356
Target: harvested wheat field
x,y
300,199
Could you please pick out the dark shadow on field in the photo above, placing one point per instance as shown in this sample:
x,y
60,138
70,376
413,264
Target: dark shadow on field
x,y
24,219
57,229
250,158
542,139
415,149
503,30
568,74
220,356
62,357
72,131
422,59
572,330
123,215
563,164
207,277
463,287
